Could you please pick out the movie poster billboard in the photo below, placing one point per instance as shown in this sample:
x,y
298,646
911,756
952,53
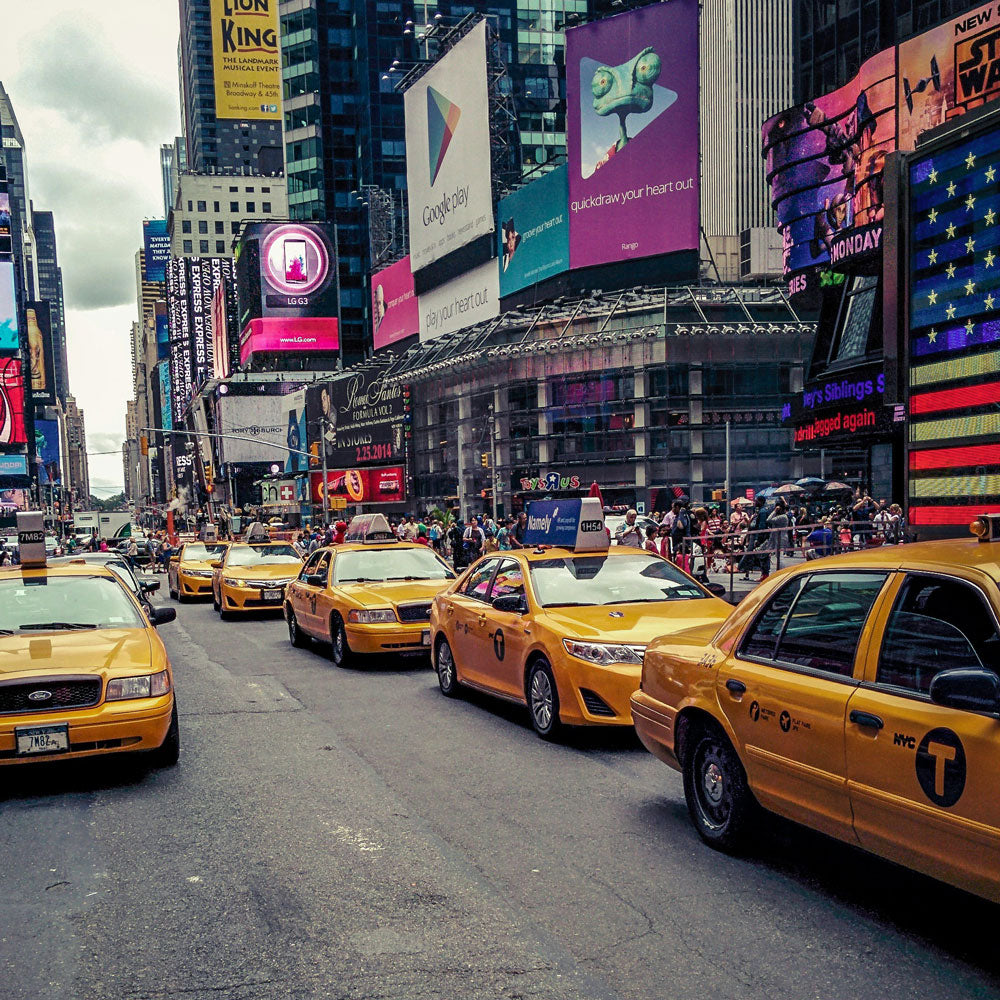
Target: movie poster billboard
x,y
632,134
470,298
47,452
448,174
38,325
12,429
10,336
156,247
534,232
395,312
260,424
295,408
358,419
246,59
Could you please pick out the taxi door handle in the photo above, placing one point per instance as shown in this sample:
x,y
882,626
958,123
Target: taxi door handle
x,y
736,687
450,610
866,719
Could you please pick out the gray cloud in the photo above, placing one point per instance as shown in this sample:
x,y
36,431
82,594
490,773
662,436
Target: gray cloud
x,y
102,441
70,69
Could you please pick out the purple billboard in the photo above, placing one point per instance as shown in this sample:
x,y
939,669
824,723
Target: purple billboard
x,y
395,313
632,134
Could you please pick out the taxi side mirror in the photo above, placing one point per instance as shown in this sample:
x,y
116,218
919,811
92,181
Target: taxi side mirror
x,y
515,604
149,586
160,616
967,689
316,579
216,564
716,589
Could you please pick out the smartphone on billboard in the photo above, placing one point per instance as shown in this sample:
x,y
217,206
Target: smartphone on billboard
x,y
295,261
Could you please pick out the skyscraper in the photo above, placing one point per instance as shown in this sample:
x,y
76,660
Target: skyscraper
x,y
50,288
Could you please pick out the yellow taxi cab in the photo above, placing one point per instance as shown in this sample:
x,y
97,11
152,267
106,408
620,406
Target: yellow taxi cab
x,y
563,629
82,670
252,576
370,594
189,572
858,695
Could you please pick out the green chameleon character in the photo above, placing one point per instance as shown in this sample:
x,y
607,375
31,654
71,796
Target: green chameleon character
x,y
626,89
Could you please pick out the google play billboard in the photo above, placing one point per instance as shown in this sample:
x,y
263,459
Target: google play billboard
x,y
448,153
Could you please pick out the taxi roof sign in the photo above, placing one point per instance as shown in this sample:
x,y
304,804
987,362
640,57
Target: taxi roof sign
x,y
369,528
572,524
31,537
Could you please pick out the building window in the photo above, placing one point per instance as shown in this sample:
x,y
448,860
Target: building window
x,y
251,206
190,209
203,246
187,246
233,190
249,190
202,207
234,206
265,207
234,227
215,206
203,227
220,228
264,190
220,246
186,226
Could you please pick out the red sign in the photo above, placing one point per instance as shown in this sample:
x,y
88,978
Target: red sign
x,y
367,486
750,494
11,402
278,334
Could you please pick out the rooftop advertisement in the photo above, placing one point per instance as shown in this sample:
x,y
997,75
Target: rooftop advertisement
x,y
468,299
395,312
632,134
9,330
156,247
448,174
12,429
38,321
246,59
277,335
534,232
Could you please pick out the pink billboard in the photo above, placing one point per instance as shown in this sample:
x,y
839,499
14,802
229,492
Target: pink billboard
x,y
276,333
395,313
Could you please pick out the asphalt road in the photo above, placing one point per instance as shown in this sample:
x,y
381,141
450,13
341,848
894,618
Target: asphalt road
x,y
351,834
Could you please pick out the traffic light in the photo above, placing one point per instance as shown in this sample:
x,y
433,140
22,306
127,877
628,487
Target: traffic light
x,y
209,488
482,493
717,495
209,477
484,459
143,444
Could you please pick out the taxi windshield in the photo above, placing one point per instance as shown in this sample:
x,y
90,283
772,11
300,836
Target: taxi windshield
x,y
389,564
262,555
581,581
61,603
199,552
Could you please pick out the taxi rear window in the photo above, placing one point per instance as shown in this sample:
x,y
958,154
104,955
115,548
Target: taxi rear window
x,y
584,581
64,603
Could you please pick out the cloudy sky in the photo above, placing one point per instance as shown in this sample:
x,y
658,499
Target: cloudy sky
x,y
94,88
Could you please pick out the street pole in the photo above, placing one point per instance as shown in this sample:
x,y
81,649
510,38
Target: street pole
x,y
493,477
729,498
324,499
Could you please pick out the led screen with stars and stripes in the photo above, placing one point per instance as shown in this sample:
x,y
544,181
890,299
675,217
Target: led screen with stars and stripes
x,y
954,336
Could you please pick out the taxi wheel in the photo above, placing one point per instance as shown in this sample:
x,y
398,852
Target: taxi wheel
x,y
446,673
340,651
715,786
215,601
296,636
543,701
168,754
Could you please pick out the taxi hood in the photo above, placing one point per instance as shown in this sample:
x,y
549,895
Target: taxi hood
x,y
104,650
274,571
638,623
378,594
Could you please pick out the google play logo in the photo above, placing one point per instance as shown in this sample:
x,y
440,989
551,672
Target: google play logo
x,y
442,120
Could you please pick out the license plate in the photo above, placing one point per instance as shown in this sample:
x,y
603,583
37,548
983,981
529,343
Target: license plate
x,y
42,739
425,637
271,595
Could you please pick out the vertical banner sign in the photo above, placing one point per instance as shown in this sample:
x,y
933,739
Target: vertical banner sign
x,y
448,174
296,405
632,134
38,322
156,247
5,237
166,411
47,452
246,59
395,313
12,429
10,337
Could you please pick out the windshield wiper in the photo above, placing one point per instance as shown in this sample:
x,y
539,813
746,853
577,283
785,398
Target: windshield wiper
x,y
358,579
406,578
35,626
571,604
6,631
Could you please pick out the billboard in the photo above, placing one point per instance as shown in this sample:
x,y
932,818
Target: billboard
x,y
246,59
365,486
156,244
295,434
13,465
395,313
448,175
12,429
262,421
632,134
9,329
47,452
38,324
13,500
166,409
5,237
221,356
534,232
275,334
468,299
358,419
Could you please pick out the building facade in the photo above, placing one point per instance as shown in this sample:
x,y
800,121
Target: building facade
x,y
76,446
50,288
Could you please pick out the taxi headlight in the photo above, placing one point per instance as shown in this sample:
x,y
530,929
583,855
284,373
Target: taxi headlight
x,y
197,572
232,581
146,686
602,653
371,616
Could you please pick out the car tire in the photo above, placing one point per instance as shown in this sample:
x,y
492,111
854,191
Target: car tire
x,y
543,701
215,601
181,598
296,636
340,650
719,799
447,673
167,754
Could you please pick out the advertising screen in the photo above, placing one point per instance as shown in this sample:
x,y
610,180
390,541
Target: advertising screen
x,y
824,165
9,329
221,360
5,215
295,409
448,174
395,312
13,465
275,334
162,331
38,324
365,486
13,500
246,59
12,429
262,423
156,244
534,232
470,298
358,419
632,134
166,409
47,451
